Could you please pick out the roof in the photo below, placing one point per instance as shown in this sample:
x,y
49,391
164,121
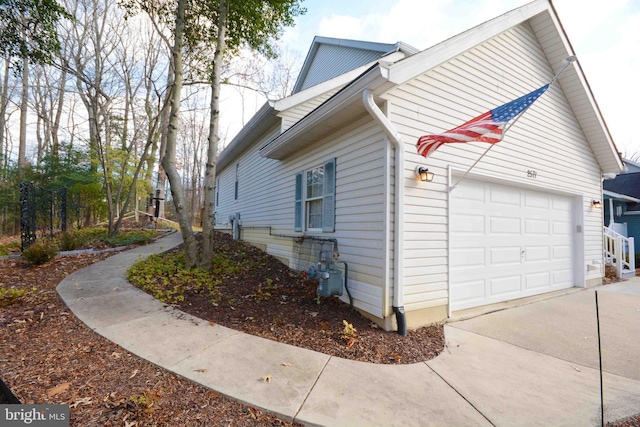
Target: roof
x,y
627,184
347,105
543,19
330,57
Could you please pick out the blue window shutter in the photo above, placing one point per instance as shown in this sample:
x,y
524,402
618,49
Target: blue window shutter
x,y
297,222
329,197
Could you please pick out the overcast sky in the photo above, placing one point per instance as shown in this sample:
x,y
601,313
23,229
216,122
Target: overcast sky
x,y
604,34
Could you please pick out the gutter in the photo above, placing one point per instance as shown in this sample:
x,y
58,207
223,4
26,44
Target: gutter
x,y
398,240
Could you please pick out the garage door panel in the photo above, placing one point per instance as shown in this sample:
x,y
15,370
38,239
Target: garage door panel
x,y
508,243
503,286
504,225
467,258
561,204
504,256
562,278
535,201
537,253
469,292
467,223
562,253
561,228
537,280
536,226
501,196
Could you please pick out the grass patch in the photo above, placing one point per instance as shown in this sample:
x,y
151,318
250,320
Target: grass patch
x,y
10,296
7,249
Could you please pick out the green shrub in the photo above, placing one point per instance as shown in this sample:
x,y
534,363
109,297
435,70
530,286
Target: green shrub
x,y
6,249
167,279
40,252
72,240
128,238
10,296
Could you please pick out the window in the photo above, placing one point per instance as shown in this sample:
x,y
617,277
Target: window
x,y
235,185
315,198
217,202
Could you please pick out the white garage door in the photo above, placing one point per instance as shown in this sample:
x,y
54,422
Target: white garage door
x,y
508,243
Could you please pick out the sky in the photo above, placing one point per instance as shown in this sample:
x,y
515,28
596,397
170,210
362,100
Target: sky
x,y
604,34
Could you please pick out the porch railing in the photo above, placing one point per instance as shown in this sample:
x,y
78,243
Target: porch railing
x,y
619,251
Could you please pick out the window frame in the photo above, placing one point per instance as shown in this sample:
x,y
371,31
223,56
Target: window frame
x,y
328,197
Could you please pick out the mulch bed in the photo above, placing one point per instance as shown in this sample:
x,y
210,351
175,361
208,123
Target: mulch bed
x,y
272,301
47,356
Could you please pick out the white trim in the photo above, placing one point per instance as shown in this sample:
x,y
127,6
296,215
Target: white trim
x,y
449,180
398,238
450,48
620,196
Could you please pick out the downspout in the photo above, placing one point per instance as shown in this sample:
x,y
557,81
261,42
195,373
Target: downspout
x,y
398,240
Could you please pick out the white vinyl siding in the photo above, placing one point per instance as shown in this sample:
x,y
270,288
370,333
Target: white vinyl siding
x,y
546,139
359,151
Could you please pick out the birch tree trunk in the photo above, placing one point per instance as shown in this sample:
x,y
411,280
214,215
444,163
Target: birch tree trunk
x,y
212,152
169,159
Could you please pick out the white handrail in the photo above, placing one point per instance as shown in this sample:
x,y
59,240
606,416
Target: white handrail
x,y
619,250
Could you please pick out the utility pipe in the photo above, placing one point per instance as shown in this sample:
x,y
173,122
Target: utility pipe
x,y
398,240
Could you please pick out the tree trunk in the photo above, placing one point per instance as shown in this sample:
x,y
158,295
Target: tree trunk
x,y
169,159
22,148
212,152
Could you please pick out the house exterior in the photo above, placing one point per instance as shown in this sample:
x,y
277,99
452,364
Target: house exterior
x,y
334,164
622,203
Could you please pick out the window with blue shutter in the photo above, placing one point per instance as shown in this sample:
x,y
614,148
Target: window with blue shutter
x,y
315,195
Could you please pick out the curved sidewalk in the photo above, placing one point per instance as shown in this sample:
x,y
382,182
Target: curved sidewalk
x,y
476,381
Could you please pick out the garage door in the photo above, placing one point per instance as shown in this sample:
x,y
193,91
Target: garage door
x,y
508,243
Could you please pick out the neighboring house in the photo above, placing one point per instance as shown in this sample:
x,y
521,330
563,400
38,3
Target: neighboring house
x,y
334,164
622,203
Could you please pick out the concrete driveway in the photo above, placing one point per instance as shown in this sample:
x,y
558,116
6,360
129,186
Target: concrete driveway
x,y
537,364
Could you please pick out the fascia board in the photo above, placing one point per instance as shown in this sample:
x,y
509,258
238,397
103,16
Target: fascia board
x,y
373,79
262,120
609,167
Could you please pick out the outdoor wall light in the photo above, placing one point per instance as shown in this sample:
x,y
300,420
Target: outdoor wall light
x,y
424,174
596,204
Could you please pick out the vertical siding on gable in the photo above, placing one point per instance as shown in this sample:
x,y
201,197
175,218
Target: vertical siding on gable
x,y
331,61
267,200
546,139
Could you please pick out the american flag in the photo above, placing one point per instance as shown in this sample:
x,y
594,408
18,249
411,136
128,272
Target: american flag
x,y
487,127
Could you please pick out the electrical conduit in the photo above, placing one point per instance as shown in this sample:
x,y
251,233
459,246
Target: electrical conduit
x,y
398,240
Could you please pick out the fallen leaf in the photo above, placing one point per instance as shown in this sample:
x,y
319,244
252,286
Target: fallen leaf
x,y
287,364
83,401
201,370
135,372
313,313
266,378
115,355
212,323
575,368
60,388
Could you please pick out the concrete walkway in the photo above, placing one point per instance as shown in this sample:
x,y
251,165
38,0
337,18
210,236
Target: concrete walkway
x,y
532,365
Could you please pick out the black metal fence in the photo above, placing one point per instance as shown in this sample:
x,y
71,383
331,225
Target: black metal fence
x,y
42,212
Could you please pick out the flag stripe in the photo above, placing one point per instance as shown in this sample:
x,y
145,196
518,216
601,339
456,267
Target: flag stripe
x,y
487,127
